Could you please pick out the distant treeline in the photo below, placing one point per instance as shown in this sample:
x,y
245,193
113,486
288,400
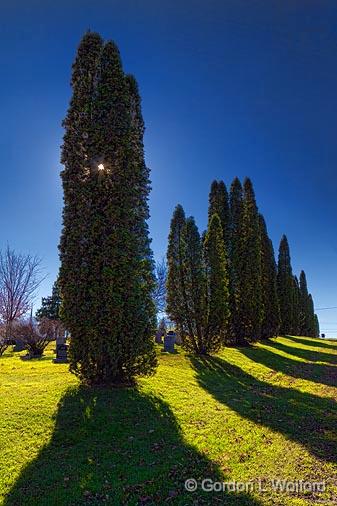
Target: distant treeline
x,y
224,286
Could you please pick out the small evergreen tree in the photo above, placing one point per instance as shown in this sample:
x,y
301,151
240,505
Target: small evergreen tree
x,y
271,314
50,306
285,285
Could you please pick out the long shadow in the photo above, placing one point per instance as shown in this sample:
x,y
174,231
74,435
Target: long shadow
x,y
301,417
310,342
116,447
319,373
311,355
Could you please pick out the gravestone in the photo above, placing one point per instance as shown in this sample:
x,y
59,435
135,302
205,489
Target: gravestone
x,y
169,341
61,350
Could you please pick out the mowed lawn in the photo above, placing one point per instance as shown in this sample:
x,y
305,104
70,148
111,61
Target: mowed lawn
x,y
251,415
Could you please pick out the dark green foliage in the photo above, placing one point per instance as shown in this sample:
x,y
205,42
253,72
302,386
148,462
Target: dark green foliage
x,y
194,288
249,312
235,259
75,271
271,314
217,295
296,307
197,284
285,286
50,306
258,299
219,204
316,326
313,328
106,272
304,306
176,306
309,321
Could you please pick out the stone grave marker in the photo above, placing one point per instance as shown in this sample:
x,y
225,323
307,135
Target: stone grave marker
x,y
169,341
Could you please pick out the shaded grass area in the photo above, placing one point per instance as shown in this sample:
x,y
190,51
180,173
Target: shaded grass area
x,y
246,415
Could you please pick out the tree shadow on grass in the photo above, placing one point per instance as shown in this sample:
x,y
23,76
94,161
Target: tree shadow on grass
x,y
116,446
311,342
318,373
301,417
311,355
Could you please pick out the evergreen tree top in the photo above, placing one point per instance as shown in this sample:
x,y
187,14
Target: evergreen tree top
x,y
89,45
111,59
214,186
284,242
222,187
303,280
235,193
284,260
248,188
179,212
236,185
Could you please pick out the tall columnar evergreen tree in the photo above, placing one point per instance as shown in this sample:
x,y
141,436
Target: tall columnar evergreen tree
x,y
285,287
74,245
106,272
194,288
219,204
312,318
175,300
316,328
296,307
271,314
217,289
235,260
250,310
305,317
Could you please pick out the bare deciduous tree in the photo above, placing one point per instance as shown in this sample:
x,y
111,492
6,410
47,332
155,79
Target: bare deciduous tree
x,y
159,295
20,276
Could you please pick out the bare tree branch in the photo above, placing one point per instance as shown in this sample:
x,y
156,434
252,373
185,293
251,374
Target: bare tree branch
x,y
20,276
159,294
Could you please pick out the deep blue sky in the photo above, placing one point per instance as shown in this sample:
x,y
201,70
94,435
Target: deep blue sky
x,y
229,88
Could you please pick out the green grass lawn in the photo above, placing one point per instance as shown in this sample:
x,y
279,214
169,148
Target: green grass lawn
x,y
260,413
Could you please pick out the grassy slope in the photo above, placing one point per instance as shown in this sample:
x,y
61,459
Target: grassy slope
x,y
257,413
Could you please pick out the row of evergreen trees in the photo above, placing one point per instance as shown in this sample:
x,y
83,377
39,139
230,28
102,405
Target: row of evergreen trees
x,y
225,286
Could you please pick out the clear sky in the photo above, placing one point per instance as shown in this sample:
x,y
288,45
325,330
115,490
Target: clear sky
x,y
229,87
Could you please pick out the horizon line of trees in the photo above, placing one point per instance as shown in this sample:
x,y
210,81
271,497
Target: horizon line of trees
x,y
224,286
